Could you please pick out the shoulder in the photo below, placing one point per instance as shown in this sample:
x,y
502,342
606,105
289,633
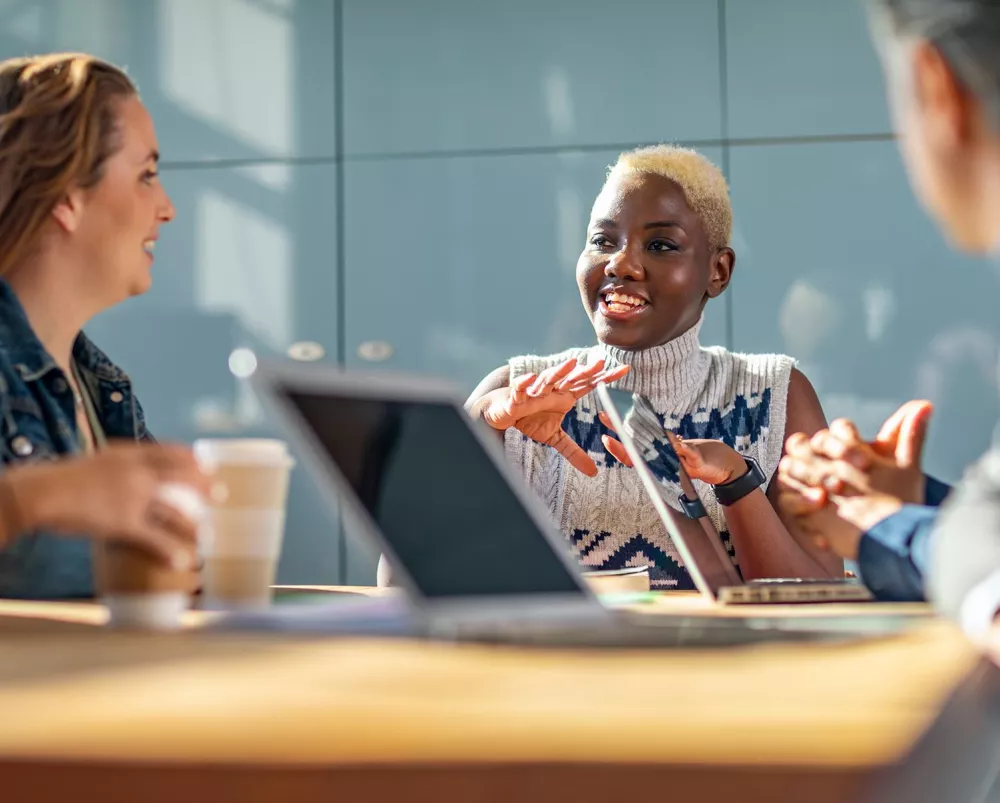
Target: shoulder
x,y
757,364
799,387
19,403
804,410
10,374
752,374
525,364
788,388
494,380
118,407
91,359
519,366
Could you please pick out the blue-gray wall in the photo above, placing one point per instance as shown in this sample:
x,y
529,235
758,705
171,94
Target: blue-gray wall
x,y
418,173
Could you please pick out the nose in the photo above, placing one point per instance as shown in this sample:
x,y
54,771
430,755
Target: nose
x,y
166,210
625,265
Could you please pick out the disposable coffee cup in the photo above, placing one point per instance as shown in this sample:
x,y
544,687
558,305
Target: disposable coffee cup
x,y
139,589
245,531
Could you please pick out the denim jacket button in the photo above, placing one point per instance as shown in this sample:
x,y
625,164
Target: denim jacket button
x,y
22,446
116,396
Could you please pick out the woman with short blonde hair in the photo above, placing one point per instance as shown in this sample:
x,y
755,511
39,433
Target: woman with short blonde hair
x,y
657,251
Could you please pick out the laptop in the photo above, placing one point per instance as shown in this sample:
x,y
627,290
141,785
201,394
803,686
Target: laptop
x,y
474,551
641,433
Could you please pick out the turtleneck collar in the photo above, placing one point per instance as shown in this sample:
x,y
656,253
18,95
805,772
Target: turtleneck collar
x,y
675,371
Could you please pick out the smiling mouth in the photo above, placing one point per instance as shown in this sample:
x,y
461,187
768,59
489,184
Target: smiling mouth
x,y
149,246
622,305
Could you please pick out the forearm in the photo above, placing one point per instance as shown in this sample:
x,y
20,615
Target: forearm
x,y
8,514
764,547
22,503
893,554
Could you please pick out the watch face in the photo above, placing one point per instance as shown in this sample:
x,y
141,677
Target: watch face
x,y
755,476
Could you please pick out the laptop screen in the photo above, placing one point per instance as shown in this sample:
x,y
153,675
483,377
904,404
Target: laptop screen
x,y
445,508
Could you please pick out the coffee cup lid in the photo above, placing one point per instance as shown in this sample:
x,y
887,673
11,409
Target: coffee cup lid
x,y
243,451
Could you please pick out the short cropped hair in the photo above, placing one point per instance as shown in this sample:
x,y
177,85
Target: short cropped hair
x,y
705,188
965,32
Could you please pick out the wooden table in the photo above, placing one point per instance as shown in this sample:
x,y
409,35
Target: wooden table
x,y
90,714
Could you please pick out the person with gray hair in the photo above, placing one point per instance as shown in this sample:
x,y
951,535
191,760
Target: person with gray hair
x,y
870,501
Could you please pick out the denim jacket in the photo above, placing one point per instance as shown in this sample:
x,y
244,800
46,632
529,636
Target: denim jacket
x,y
38,422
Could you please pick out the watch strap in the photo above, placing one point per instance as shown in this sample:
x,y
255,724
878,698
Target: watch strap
x,y
732,492
693,508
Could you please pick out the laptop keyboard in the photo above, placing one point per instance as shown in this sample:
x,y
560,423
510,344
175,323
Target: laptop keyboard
x,y
644,631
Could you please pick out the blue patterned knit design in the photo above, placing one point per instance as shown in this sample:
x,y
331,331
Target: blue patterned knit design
x,y
743,421
664,571
699,393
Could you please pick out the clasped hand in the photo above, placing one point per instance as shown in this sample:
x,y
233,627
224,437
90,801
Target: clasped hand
x,y
837,486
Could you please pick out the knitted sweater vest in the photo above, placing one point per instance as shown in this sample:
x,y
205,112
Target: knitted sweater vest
x,y
698,393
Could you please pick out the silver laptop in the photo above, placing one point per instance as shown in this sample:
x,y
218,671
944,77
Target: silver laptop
x,y
474,551
699,543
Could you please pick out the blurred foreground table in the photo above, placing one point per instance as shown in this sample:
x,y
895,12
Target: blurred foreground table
x,y
87,714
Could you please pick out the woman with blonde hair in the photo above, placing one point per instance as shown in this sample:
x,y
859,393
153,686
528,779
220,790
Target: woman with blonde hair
x,y
657,250
81,207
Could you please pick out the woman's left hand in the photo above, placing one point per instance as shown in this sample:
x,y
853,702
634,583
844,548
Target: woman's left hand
x,y
707,460
710,461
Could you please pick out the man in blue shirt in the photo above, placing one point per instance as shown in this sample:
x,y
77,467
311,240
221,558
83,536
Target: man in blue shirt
x,y
870,501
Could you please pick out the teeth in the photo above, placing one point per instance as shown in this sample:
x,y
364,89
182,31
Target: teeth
x,y
149,245
624,299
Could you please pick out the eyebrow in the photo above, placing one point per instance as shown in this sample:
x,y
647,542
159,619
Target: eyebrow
x,y
604,223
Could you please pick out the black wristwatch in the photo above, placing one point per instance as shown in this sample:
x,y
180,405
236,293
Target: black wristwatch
x,y
693,508
733,492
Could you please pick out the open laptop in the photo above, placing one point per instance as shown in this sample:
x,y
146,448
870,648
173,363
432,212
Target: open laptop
x,y
699,543
475,552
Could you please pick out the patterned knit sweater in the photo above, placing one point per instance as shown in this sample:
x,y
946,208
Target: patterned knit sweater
x,y
698,393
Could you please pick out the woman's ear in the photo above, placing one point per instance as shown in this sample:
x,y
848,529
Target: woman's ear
x,y
69,211
721,271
